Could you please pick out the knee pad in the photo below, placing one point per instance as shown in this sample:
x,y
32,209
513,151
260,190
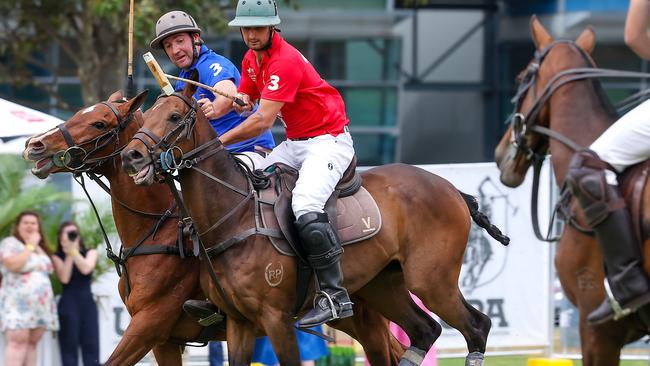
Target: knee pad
x,y
587,180
318,238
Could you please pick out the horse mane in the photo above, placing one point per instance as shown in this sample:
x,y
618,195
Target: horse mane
x,y
598,88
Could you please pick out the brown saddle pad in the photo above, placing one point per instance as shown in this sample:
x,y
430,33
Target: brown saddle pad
x,y
357,216
633,181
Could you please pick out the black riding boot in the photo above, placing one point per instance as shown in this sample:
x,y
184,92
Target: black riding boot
x,y
207,312
627,284
323,249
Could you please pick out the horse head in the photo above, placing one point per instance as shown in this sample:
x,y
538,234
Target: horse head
x,y
88,139
169,130
521,143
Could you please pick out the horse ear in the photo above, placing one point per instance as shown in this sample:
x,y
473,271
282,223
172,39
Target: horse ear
x,y
136,102
116,96
541,37
189,89
587,40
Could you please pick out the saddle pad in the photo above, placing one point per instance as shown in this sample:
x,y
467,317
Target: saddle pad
x,y
357,219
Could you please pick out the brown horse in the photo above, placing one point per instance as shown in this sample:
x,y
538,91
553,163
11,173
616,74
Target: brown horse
x,y
579,111
160,283
425,228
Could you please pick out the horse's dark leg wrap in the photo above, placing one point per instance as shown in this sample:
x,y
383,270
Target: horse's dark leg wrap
x,y
606,212
321,243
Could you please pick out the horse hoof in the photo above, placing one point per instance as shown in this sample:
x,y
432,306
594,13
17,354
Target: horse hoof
x,y
474,359
412,357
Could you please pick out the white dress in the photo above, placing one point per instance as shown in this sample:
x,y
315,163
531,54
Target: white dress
x,y
26,298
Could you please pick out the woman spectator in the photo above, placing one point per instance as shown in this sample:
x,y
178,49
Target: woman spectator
x,y
74,265
26,299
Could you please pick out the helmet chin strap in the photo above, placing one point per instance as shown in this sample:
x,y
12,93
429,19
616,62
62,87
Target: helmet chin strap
x,y
270,41
195,53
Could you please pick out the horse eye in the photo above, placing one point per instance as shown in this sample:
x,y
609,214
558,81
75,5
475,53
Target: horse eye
x,y
99,125
175,117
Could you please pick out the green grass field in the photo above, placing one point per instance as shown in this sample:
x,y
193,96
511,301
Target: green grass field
x,y
517,361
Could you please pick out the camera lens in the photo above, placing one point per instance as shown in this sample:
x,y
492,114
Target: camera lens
x,y
72,235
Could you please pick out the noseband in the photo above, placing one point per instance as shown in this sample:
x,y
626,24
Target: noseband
x,y
77,159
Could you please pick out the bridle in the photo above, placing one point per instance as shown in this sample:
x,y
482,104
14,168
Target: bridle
x,y
522,124
78,159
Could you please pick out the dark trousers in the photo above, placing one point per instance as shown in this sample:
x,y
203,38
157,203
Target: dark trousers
x,y
79,329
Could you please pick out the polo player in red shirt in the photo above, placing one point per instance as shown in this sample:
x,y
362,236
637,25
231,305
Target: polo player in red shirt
x,y
318,142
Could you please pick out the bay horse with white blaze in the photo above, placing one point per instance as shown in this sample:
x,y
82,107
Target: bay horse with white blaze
x,y
425,228
561,111
158,278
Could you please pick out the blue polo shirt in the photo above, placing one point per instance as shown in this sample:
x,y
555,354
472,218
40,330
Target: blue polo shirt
x,y
212,69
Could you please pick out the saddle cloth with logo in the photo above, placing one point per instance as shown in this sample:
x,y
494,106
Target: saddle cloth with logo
x,y
356,217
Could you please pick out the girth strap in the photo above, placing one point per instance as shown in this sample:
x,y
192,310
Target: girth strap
x,y
150,249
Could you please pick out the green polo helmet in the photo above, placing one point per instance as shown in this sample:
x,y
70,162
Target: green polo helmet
x,y
255,13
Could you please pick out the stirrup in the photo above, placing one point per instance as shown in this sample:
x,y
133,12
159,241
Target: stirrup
x,y
619,312
212,319
335,315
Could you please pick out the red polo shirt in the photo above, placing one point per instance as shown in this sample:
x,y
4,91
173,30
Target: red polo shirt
x,y
311,108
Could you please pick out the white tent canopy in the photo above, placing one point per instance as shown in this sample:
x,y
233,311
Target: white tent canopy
x,y
19,121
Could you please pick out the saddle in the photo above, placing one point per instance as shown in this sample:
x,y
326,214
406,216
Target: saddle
x,y
632,182
351,208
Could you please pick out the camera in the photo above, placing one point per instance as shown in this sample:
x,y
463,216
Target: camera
x,y
73,235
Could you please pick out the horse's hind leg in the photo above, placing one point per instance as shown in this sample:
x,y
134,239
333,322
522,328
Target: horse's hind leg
x,y
387,294
168,354
434,279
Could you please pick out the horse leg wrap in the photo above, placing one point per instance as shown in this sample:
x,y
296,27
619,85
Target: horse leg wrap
x,y
474,359
412,357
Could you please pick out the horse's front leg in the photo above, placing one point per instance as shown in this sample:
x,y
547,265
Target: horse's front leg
x,y
168,354
240,335
279,327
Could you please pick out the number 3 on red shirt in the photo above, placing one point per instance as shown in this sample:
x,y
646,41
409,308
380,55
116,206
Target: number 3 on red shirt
x,y
273,82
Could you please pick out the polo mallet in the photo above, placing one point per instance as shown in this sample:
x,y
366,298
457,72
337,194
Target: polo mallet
x,y
163,80
158,73
129,66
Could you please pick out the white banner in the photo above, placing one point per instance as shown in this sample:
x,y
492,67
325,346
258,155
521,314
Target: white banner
x,y
509,284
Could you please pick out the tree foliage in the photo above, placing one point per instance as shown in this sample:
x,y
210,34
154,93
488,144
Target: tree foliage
x,y
16,195
91,34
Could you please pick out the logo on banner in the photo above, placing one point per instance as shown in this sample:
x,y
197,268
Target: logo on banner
x,y
485,258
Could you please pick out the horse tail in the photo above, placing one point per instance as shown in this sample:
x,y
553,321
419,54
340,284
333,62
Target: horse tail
x,y
482,220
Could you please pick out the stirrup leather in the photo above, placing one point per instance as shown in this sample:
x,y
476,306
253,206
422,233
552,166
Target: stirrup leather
x,y
619,312
324,294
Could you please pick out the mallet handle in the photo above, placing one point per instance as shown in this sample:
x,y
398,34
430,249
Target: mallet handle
x,y
214,90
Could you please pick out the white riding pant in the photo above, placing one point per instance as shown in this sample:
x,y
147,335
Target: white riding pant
x,y
321,162
627,141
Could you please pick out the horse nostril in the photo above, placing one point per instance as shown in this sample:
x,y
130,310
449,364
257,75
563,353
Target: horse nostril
x,y
36,145
134,155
